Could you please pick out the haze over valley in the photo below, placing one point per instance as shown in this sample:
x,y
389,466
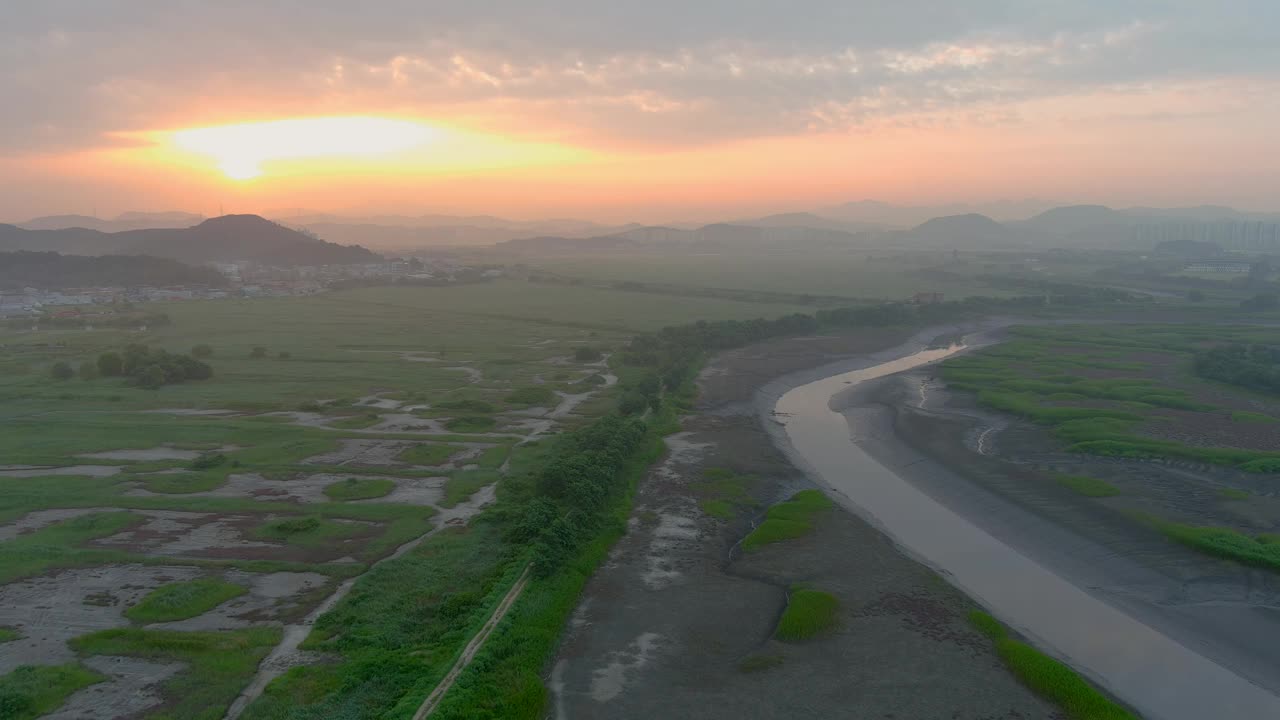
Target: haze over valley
x,y
569,360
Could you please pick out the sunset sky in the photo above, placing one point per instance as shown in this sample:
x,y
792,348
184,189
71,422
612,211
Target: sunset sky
x,y
648,111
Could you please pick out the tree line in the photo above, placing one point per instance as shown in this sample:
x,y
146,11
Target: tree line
x,y
1256,367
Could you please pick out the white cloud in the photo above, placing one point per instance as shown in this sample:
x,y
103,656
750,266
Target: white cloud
x,y
659,72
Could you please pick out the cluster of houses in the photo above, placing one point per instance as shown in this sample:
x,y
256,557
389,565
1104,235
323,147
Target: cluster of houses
x,y
245,280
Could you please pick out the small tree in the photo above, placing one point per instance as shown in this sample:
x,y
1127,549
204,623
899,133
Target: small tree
x,y
202,351
151,377
258,352
110,364
61,370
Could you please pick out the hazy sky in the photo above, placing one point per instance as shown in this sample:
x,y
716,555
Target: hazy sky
x,y
638,110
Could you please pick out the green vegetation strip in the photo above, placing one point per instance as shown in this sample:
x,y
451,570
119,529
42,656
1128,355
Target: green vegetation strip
x,y
1261,550
809,613
359,489
182,600
428,453
399,630
1088,486
1053,680
220,664
34,690
788,520
462,485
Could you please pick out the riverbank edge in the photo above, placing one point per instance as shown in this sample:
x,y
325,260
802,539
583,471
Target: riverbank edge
x,y
886,443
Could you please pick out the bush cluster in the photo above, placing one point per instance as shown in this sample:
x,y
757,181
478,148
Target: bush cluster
x,y
151,368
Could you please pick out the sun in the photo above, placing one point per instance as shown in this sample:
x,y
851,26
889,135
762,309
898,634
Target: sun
x,y
240,150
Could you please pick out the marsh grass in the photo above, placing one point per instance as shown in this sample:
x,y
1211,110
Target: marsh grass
x,y
1261,550
759,663
428,453
723,493
182,600
788,520
1245,416
532,395
1088,486
463,484
1048,677
356,422
220,664
354,488
470,424
31,691
306,530
809,613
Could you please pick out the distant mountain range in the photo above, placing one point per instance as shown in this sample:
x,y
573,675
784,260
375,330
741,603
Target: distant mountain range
x,y
405,232
865,223
223,239
121,223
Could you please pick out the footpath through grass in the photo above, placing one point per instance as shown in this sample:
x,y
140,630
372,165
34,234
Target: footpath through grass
x,y
1053,680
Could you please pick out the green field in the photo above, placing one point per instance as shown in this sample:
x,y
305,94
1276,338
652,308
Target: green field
x,y
304,492
847,274
358,444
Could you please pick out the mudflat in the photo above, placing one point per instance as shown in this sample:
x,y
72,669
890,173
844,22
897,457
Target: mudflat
x,y
681,621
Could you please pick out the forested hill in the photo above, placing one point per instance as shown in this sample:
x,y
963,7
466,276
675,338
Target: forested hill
x,y
221,239
50,270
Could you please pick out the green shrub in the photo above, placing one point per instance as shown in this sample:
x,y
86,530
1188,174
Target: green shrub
x,y
61,370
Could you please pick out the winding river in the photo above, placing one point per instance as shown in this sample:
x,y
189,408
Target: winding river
x,y
1161,678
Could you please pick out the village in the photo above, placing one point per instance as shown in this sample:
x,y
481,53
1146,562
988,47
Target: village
x,y
243,280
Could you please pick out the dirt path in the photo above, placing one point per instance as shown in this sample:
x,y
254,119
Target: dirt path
x,y
287,654
468,654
